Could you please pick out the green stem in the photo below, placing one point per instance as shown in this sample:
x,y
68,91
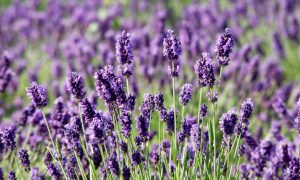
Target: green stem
x,y
80,166
57,150
127,85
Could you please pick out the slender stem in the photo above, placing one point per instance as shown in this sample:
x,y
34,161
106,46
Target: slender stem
x,y
54,146
235,152
199,106
49,130
127,85
59,162
80,166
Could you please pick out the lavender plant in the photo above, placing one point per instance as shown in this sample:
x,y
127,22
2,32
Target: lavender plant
x,y
106,90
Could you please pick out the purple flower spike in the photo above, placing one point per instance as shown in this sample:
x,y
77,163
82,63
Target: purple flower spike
x,y
196,137
124,49
88,111
53,171
293,171
37,94
171,46
126,173
224,45
11,175
8,138
185,94
136,158
126,124
113,165
228,121
246,110
75,84
204,70
24,157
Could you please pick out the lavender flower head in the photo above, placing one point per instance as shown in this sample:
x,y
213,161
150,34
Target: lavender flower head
x,y
171,46
75,84
113,165
293,171
126,173
196,137
142,124
11,175
37,94
224,45
88,111
204,70
8,137
24,157
228,121
53,171
246,110
126,124
185,94
124,49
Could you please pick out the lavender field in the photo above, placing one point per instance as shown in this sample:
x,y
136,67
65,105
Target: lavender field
x,y
150,90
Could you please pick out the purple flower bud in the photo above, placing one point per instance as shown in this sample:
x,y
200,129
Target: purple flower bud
x,y
293,171
196,137
126,124
70,172
88,111
124,49
54,171
97,135
126,173
170,122
130,102
154,156
37,94
11,175
142,125
148,105
241,150
203,111
75,84
35,175
159,101
24,158
136,158
204,70
246,110
171,46
165,146
224,45
185,94
123,146
228,122
110,88
180,136
112,164
8,137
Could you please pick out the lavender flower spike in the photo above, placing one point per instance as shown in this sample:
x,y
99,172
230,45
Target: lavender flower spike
x,y
185,94
124,49
228,121
224,45
37,94
11,175
171,46
204,70
24,157
75,84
